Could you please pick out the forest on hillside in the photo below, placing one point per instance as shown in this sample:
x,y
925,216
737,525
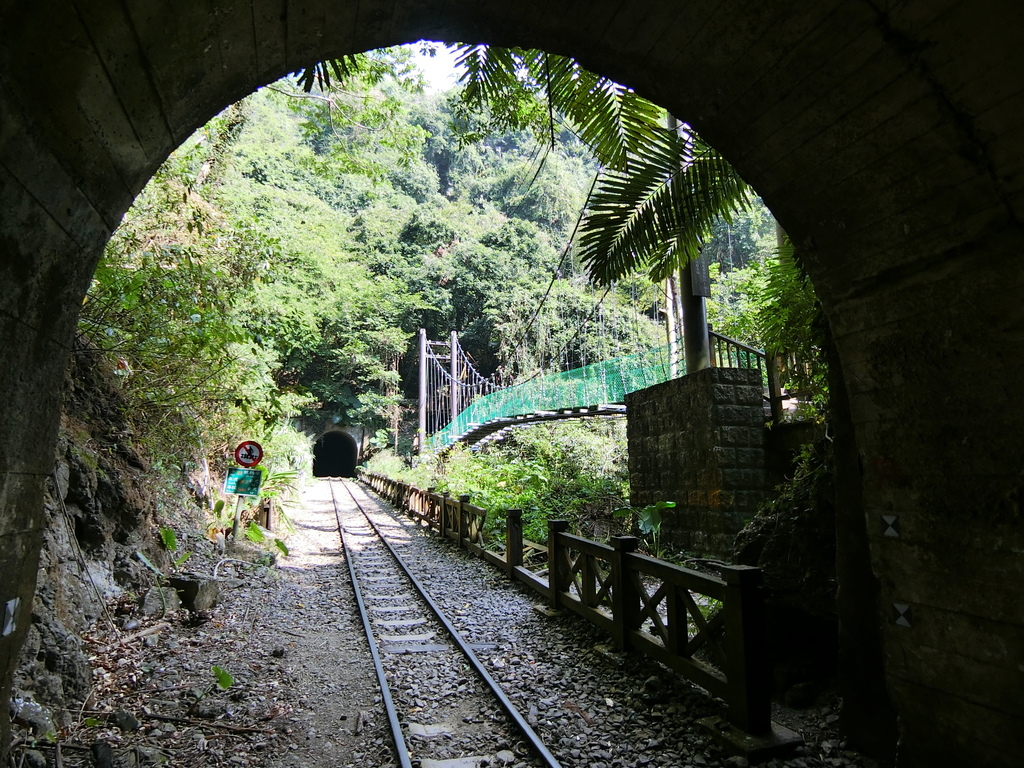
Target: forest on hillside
x,y
282,260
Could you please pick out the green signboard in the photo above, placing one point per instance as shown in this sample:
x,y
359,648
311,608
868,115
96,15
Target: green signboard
x,y
244,482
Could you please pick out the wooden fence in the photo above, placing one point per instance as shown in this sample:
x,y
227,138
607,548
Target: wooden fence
x,y
709,629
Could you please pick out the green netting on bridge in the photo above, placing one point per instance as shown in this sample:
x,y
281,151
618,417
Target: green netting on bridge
x,y
606,382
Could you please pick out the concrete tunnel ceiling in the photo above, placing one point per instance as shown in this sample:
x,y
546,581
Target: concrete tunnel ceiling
x,y
886,139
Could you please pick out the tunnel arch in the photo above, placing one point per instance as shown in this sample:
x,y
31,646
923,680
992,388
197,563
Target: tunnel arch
x,y
335,454
886,141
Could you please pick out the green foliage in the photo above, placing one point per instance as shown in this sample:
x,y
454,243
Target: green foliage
x,y
792,320
366,269
355,125
170,542
334,328
286,448
569,471
747,237
255,533
149,564
276,485
169,538
162,310
388,463
664,197
656,213
517,89
660,191
769,303
648,521
282,260
223,677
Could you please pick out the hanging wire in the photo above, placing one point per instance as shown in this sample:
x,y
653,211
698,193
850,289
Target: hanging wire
x,y
561,263
579,330
636,315
521,191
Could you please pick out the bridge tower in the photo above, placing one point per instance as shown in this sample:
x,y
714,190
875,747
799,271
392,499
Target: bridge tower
x,y
448,383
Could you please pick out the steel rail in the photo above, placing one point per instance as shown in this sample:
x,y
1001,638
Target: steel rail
x,y
506,704
401,748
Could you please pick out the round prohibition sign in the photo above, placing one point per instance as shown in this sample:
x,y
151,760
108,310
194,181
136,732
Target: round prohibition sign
x,y
249,453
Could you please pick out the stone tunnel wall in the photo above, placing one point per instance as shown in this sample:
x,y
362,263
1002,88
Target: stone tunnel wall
x,y
886,139
699,441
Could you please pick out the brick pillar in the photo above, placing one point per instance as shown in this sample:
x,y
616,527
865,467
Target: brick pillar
x,y
699,441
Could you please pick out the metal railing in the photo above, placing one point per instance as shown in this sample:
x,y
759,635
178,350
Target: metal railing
x,y
729,353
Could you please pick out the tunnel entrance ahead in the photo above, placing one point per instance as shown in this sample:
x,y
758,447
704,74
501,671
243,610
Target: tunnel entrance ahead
x,y
335,454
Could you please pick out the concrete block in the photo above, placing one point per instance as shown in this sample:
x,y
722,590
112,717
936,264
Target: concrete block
x,y
197,594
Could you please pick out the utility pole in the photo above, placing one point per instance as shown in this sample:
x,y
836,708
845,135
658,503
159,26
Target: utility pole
x,y
671,327
774,356
693,287
696,344
423,391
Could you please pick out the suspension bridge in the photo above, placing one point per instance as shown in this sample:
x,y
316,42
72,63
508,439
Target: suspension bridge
x,y
458,404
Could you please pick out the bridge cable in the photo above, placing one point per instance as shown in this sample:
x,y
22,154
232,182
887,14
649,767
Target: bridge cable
x,y
441,383
521,191
561,263
579,330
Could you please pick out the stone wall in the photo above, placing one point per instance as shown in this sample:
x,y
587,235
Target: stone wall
x,y
100,509
699,441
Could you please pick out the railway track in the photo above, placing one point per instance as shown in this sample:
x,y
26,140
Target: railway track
x,y
444,708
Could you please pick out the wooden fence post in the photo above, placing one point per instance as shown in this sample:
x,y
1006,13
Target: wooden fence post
x,y
749,673
513,541
430,505
461,524
558,566
625,600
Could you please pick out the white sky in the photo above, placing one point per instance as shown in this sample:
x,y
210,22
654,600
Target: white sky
x,y
439,69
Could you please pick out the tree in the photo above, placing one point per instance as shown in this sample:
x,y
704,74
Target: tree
x,y
660,190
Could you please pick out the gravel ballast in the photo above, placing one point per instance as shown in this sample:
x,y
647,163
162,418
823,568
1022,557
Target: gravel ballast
x,y
304,691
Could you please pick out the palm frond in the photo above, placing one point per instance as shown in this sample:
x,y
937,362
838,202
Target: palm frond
x,y
529,88
655,215
613,121
319,73
489,73
660,191
495,85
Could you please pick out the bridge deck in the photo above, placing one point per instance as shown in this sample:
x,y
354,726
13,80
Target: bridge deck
x,y
569,394
478,434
